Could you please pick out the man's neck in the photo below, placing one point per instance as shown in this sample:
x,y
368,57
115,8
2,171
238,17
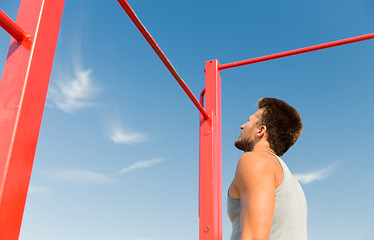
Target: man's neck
x,y
261,146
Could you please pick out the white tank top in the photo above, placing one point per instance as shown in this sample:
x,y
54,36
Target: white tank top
x,y
290,212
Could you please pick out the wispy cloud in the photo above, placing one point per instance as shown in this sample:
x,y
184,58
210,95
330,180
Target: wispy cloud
x,y
318,175
79,176
71,94
120,136
37,189
73,88
141,164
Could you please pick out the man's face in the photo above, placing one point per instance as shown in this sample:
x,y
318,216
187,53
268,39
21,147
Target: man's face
x,y
249,129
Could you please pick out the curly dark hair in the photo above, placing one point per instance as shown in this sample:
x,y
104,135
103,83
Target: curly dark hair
x,y
283,124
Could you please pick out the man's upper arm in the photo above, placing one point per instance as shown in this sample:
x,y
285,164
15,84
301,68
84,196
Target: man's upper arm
x,y
255,180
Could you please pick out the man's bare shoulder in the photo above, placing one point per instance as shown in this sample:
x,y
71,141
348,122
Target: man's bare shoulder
x,y
255,165
254,161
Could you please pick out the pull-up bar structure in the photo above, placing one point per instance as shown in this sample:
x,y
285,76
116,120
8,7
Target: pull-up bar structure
x,y
298,51
12,28
23,89
161,55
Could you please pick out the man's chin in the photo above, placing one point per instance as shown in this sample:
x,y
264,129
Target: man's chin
x,y
244,146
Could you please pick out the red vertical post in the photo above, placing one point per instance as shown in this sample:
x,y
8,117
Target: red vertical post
x,y
210,182
23,90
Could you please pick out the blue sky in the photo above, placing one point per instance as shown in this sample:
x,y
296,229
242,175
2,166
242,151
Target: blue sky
x,y
117,157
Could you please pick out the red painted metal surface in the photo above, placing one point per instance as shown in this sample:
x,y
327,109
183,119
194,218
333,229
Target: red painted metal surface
x,y
12,28
298,51
124,4
210,183
23,90
202,94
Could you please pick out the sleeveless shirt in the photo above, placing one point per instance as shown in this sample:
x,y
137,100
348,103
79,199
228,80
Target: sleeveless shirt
x,y
290,212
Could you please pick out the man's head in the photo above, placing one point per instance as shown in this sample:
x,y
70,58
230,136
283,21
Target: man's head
x,y
276,122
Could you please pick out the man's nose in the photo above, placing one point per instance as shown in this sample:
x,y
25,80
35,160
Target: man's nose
x,y
241,127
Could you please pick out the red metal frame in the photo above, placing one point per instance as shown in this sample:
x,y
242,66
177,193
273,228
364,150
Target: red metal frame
x,y
23,90
124,4
12,28
298,51
210,183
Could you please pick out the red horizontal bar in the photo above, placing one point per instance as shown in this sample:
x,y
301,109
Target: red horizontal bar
x,y
12,28
297,51
124,4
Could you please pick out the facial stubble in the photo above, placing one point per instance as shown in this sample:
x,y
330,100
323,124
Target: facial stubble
x,y
245,145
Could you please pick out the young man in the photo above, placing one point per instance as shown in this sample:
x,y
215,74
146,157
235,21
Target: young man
x,y
265,201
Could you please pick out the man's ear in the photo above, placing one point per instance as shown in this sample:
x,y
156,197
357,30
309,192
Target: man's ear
x,y
261,131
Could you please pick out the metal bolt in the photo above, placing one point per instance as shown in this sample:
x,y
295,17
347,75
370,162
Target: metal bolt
x,y
205,229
